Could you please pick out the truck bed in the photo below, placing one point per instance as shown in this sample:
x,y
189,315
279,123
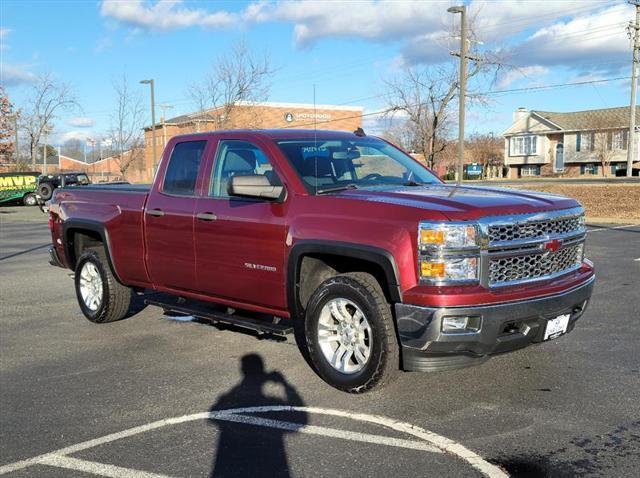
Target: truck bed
x,y
119,209
120,187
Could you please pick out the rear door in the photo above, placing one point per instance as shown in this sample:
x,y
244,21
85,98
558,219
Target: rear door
x,y
240,242
170,249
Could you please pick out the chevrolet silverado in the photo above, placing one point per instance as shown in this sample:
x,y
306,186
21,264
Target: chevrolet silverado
x,y
343,239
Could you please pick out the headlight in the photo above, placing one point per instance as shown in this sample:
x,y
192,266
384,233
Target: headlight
x,y
449,253
451,236
449,269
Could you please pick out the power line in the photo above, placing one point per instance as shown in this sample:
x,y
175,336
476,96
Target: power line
x,y
489,92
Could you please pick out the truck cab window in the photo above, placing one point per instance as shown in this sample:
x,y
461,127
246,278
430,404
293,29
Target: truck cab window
x,y
239,158
182,171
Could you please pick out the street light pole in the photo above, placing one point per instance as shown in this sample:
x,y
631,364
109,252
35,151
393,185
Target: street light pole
x,y
462,10
153,123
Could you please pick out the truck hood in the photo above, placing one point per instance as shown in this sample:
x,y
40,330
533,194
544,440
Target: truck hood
x,y
464,202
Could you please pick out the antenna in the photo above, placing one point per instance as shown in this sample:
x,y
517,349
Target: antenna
x,y
315,137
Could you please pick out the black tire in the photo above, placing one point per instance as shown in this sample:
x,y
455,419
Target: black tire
x,y
383,363
45,190
30,200
116,299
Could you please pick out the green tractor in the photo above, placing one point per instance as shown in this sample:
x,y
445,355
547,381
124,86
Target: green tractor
x,y
19,187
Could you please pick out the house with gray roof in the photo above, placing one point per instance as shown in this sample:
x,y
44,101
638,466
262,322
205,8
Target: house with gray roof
x,y
547,143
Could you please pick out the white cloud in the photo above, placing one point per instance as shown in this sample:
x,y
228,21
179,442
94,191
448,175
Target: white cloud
x,y
532,73
424,27
496,20
74,134
163,15
13,75
368,19
596,42
81,122
4,33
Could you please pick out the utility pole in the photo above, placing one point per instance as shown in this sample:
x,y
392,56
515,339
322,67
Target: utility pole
x,y
634,30
462,10
153,123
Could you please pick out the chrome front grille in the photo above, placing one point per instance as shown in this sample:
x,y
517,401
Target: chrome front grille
x,y
531,247
534,229
506,270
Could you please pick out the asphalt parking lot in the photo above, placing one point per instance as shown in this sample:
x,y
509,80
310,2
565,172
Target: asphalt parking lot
x,y
157,396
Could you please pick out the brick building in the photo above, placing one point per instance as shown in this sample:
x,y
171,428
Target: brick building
x,y
251,116
546,143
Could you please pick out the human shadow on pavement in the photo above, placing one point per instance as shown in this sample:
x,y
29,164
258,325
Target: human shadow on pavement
x,y
251,450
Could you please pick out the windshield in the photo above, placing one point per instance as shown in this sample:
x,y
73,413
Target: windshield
x,y
332,165
81,179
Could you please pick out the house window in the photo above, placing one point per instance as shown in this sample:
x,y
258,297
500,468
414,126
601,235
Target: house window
x,y
529,171
587,141
617,167
589,168
618,139
578,141
524,145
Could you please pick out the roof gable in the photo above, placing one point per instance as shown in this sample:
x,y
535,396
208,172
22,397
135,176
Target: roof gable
x,y
530,123
589,120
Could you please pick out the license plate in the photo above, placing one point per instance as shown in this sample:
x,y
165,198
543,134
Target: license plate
x,y
556,327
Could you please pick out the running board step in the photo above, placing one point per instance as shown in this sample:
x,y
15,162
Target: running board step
x,y
205,310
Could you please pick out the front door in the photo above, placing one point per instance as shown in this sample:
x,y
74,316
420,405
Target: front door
x,y
170,251
240,243
559,165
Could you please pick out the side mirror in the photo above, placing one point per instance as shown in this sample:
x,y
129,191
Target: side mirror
x,y
254,186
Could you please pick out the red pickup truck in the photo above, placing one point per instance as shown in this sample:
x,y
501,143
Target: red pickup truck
x,y
342,237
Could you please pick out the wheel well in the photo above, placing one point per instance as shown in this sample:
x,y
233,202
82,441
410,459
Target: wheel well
x,y
79,240
316,268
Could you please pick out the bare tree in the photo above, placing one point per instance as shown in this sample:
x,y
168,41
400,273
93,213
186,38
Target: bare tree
x,y
236,78
424,94
7,127
127,122
47,98
73,148
487,150
604,142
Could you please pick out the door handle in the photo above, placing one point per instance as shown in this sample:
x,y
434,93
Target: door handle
x,y
206,216
155,212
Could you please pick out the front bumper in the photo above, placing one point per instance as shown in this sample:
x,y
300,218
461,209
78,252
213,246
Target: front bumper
x,y
504,327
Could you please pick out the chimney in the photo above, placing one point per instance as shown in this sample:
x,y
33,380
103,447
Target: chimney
x,y
519,114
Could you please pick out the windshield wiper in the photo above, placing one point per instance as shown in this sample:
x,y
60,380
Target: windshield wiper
x,y
411,182
337,188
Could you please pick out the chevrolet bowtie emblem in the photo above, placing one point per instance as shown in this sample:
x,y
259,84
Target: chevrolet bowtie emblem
x,y
552,246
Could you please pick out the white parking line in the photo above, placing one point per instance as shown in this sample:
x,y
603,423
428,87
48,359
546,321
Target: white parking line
x,y
100,469
610,228
428,441
331,432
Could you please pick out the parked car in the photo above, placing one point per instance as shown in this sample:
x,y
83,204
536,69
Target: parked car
x,y
341,238
48,183
19,187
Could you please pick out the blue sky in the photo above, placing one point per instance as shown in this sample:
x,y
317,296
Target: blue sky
x,y
344,48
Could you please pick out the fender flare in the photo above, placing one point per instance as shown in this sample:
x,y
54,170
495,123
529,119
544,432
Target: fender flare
x,y
87,225
375,255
